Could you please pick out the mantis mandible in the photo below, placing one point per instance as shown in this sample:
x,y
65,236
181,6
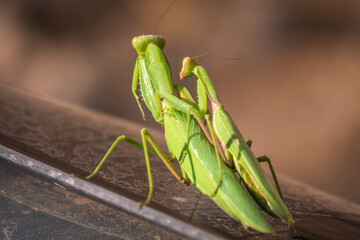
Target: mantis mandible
x,y
236,151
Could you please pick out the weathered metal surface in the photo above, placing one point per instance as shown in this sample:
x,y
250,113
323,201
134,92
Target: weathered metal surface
x,y
73,140
35,209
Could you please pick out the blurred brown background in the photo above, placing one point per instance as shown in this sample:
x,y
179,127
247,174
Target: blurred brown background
x,y
299,102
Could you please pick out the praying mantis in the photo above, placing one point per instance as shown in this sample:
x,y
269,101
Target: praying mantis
x,y
186,137
235,151
201,151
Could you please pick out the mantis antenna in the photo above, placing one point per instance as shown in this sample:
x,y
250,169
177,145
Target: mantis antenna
x,y
212,52
221,50
229,59
163,15
128,13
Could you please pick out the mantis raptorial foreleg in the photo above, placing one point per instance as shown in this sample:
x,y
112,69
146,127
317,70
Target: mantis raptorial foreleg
x,y
134,87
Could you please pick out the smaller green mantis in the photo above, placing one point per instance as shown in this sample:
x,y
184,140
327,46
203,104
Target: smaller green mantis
x,y
235,151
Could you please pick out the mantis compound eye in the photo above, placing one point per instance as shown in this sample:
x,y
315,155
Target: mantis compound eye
x,y
188,65
135,42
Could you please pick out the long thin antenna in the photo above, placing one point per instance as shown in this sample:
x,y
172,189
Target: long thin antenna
x,y
162,16
127,12
228,59
215,51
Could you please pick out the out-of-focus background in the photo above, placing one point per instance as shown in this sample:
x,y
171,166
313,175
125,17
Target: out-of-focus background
x,y
299,100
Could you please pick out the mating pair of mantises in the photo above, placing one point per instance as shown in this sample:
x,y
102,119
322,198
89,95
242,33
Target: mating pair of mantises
x,y
207,144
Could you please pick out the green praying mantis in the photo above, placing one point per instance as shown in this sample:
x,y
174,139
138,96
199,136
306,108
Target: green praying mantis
x,y
187,137
235,151
207,154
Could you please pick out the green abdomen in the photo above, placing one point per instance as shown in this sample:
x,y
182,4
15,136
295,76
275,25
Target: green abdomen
x,y
201,166
248,166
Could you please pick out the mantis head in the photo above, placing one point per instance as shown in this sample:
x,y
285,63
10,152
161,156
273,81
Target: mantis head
x,y
142,42
188,66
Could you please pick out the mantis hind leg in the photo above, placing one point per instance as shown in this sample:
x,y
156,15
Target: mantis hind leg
x,y
266,159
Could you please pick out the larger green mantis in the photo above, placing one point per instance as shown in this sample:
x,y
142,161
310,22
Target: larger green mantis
x,y
236,151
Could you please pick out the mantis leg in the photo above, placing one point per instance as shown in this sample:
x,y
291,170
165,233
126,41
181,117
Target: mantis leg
x,y
185,95
185,107
134,87
181,160
202,97
155,150
147,137
266,159
112,148
201,106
